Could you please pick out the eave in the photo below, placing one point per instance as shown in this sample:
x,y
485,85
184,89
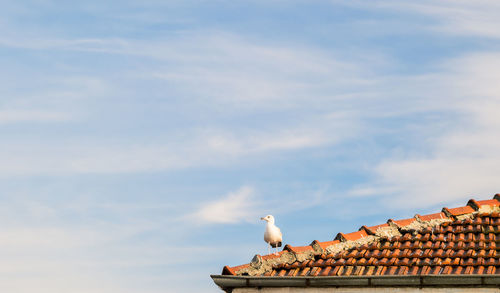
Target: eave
x,y
228,283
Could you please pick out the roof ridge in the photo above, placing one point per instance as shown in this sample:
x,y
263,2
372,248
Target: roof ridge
x,y
364,236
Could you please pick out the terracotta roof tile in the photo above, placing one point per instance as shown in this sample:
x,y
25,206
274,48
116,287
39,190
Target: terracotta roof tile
x,y
373,229
403,270
447,270
458,211
491,269
456,241
480,203
298,249
232,271
403,223
429,217
351,236
325,244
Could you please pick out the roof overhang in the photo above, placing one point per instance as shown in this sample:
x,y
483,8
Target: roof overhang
x,y
228,283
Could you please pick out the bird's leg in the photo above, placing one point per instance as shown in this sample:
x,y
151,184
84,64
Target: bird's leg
x,y
276,253
269,249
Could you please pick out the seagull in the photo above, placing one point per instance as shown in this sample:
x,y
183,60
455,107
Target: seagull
x,y
273,234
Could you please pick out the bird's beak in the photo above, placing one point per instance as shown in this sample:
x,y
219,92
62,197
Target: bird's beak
x,y
262,218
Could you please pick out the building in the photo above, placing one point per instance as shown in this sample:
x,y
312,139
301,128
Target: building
x,y
454,250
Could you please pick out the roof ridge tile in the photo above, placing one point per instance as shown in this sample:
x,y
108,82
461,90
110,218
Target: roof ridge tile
x,y
458,211
322,246
301,253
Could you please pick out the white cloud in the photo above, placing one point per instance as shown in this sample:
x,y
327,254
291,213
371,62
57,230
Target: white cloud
x,y
42,247
13,116
266,142
213,72
478,18
235,207
463,161
247,73
30,99
456,17
203,148
226,68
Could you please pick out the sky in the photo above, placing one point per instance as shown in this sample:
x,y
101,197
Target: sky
x,y
141,141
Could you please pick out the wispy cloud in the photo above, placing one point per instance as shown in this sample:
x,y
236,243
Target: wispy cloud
x,y
43,248
477,18
228,68
229,77
462,161
203,148
461,18
268,141
234,207
14,116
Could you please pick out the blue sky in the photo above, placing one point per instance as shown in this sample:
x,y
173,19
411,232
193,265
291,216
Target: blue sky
x,y
142,140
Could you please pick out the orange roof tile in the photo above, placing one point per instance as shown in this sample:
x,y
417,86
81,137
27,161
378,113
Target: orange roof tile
x,y
298,249
456,241
402,223
351,236
325,244
459,211
373,229
480,203
436,216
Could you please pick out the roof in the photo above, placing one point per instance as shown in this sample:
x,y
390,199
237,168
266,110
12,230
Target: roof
x,y
456,241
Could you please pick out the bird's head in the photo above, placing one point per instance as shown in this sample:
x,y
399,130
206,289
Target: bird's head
x,y
268,218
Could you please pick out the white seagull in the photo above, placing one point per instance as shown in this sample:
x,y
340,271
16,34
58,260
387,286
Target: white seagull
x,y
273,234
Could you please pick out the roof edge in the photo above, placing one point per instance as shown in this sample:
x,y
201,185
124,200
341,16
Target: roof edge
x,y
228,283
